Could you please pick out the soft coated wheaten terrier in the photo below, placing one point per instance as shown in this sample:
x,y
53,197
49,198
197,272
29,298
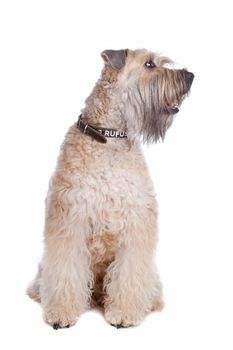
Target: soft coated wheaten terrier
x,y
101,216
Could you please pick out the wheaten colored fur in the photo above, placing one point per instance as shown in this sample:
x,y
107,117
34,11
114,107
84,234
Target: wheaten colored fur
x,y
101,215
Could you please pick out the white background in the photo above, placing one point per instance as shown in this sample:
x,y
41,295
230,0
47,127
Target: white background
x,y
49,61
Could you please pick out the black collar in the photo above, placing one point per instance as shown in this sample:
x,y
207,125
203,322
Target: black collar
x,y
99,134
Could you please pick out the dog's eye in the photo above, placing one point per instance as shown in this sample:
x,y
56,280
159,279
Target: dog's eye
x,y
150,64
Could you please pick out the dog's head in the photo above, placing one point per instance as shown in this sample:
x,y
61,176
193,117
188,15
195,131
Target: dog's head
x,y
150,92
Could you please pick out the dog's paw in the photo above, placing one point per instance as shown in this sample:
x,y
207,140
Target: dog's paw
x,y
57,317
120,319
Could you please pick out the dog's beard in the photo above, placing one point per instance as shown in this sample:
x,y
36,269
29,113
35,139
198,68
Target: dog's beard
x,y
146,117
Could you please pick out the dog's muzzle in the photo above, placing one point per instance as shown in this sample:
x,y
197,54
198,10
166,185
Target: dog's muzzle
x,y
188,77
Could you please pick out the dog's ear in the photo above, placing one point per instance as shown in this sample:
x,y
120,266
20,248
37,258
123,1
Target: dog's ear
x,y
115,58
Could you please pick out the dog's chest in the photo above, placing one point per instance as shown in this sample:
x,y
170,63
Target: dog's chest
x,y
116,189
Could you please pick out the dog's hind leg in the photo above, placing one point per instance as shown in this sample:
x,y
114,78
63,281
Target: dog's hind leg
x,y
33,290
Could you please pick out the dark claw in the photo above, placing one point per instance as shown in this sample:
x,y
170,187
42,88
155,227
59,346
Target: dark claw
x,y
120,326
56,326
117,325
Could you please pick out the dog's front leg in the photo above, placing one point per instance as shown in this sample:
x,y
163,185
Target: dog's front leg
x,y
132,283
66,278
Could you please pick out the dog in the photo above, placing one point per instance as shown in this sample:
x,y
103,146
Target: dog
x,y
101,216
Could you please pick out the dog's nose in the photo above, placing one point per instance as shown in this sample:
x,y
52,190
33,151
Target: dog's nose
x,y
189,77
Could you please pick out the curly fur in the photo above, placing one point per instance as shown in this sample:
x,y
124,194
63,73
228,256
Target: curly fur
x,y
101,215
